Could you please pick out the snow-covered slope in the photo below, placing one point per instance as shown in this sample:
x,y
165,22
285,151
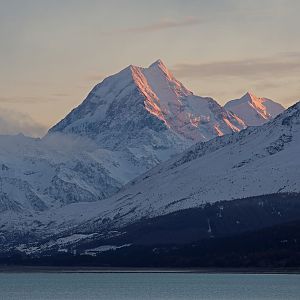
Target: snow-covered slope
x,y
257,161
41,177
254,111
37,175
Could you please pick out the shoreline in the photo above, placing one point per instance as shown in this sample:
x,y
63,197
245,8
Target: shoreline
x,y
82,269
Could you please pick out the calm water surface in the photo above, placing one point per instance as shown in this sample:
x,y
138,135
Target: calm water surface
x,y
148,286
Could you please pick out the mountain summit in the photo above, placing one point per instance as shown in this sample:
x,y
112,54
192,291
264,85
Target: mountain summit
x,y
254,110
139,103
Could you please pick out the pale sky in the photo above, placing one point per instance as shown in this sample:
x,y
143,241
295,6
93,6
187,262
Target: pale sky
x,y
53,52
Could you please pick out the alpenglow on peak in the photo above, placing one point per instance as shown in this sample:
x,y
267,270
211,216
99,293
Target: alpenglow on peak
x,y
140,103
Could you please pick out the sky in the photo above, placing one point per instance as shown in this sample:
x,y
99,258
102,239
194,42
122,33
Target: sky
x,y
53,52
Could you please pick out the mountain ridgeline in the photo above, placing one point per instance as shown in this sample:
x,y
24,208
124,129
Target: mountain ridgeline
x,y
142,146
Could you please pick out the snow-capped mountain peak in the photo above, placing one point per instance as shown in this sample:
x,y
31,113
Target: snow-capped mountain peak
x,y
254,110
151,98
129,123
159,64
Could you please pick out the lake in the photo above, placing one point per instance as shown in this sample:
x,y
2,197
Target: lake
x,y
148,286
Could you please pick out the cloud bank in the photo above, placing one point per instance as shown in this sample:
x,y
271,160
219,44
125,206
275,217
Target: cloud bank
x,y
12,122
285,64
162,25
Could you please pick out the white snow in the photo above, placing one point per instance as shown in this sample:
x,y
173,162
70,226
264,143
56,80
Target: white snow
x,y
104,248
254,111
